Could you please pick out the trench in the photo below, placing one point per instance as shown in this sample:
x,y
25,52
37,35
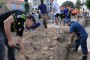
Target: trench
x,y
49,44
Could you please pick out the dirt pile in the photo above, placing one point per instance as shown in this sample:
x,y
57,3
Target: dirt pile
x,y
49,44
76,55
45,44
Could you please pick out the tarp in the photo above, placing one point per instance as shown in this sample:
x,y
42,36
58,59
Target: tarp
x,y
75,11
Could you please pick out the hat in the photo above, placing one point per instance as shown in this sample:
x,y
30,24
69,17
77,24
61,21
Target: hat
x,y
67,20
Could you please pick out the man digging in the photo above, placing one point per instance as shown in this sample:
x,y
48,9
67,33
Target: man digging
x,y
81,37
13,21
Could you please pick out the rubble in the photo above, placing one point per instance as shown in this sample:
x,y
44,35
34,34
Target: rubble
x,y
43,44
49,44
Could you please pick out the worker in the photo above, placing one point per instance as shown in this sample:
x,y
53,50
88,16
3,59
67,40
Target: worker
x,y
82,36
13,21
43,12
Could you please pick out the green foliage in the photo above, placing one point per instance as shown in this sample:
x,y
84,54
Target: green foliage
x,y
78,4
68,3
88,4
3,4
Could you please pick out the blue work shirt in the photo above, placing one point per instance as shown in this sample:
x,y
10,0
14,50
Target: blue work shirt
x,y
42,8
78,29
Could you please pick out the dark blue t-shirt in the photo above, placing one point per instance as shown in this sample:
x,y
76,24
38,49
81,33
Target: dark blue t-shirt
x,y
66,12
42,8
78,29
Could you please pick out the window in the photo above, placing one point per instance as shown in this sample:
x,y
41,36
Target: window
x,y
35,0
21,7
13,6
50,4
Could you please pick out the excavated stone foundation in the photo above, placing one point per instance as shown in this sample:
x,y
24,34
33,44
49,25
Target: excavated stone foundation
x,y
49,44
46,44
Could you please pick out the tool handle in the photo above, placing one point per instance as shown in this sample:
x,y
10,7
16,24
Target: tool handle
x,y
18,48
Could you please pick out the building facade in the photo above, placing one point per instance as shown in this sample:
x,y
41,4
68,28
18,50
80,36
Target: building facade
x,y
15,4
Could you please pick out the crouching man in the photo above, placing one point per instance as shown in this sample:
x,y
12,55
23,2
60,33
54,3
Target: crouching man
x,y
13,21
81,37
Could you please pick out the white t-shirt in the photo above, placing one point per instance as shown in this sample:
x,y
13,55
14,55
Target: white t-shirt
x,y
56,7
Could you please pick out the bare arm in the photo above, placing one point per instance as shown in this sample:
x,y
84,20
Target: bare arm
x,y
7,27
22,49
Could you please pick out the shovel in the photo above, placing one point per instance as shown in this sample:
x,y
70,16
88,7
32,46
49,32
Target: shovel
x,y
18,48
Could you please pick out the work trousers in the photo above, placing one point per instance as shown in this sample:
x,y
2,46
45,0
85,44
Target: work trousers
x,y
82,40
3,41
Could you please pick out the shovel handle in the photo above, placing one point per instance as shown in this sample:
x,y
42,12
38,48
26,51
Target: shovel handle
x,y
18,48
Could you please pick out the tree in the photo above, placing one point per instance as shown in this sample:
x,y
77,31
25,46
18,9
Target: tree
x,y
88,4
26,0
68,3
78,4
3,4
27,7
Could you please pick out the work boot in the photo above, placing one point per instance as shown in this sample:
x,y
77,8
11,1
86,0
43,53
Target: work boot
x,y
74,50
83,57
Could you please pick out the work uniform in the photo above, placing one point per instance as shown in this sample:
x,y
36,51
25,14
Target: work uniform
x,y
17,26
81,37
